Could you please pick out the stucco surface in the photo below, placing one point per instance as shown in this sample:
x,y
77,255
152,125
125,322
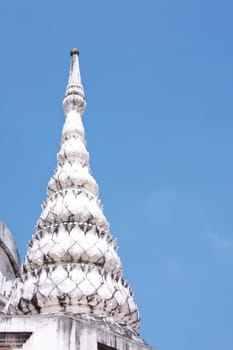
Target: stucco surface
x,y
53,332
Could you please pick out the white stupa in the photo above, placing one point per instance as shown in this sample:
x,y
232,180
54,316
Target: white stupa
x,y
70,291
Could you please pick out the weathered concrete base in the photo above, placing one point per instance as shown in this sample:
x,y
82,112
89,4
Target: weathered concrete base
x,y
65,332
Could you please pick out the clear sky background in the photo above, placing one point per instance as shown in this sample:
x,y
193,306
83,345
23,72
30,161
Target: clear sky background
x,y
158,77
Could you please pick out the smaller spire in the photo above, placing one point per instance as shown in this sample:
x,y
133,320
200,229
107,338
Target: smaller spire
x,y
74,99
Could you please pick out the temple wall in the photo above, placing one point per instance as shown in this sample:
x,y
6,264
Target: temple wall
x,y
62,333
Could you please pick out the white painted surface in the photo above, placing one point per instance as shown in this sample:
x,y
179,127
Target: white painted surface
x,y
68,333
72,263
9,264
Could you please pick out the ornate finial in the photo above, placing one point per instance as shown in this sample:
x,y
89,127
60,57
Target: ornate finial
x,y
74,98
74,51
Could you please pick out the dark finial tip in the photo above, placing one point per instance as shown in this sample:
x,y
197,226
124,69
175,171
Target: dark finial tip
x,y
74,52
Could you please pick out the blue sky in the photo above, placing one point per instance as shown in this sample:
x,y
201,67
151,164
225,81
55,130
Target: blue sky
x,y
158,77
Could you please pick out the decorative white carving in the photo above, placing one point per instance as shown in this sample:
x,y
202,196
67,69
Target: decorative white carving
x,y
72,263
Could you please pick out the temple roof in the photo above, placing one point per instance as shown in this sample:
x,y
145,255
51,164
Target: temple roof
x,y
7,244
9,264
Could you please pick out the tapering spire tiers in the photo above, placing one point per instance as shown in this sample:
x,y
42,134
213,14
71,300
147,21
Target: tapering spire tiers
x,y
72,263
74,96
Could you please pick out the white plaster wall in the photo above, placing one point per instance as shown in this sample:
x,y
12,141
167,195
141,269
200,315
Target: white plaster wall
x,y
66,333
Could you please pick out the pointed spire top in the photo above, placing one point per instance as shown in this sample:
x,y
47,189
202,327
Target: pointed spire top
x,y
74,51
74,76
74,97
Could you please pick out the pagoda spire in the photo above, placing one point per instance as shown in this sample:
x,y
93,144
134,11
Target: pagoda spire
x,y
74,76
72,265
74,98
